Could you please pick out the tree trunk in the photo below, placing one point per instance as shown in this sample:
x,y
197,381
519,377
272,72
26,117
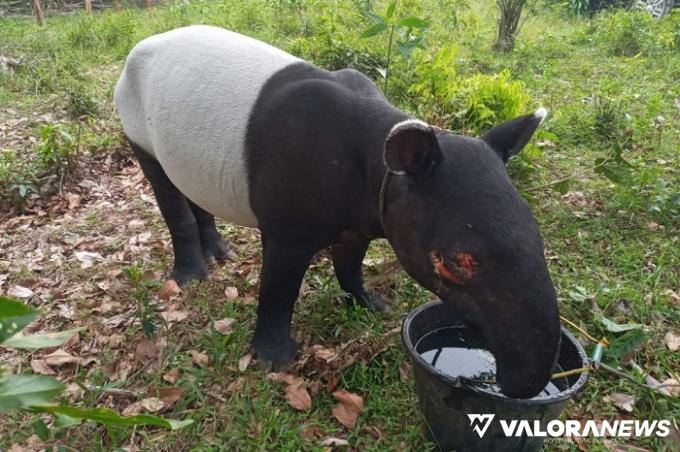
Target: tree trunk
x,y
116,5
37,9
88,7
508,23
148,5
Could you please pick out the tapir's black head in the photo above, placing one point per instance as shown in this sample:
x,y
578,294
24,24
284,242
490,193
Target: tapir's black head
x,y
461,229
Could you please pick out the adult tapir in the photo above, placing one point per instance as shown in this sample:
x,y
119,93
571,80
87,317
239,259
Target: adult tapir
x,y
225,125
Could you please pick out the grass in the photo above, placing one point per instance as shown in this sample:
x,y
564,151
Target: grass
x,y
612,247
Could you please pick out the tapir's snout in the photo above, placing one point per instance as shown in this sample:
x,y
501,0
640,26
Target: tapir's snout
x,y
525,361
525,340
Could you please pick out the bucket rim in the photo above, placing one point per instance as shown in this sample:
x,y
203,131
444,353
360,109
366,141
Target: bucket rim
x,y
461,383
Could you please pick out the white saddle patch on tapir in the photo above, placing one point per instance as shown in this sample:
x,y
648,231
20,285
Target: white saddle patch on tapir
x,y
185,97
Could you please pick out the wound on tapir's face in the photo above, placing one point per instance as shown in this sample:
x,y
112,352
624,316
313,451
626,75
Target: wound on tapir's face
x,y
456,270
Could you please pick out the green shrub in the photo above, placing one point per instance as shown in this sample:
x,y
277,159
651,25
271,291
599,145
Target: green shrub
x,y
487,100
629,33
58,150
17,177
436,84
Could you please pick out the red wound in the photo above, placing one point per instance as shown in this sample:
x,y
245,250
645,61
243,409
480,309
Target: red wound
x,y
457,272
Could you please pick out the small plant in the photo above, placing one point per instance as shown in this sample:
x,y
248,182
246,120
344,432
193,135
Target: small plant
x,y
35,392
629,33
59,149
17,177
145,310
609,119
436,84
404,28
487,100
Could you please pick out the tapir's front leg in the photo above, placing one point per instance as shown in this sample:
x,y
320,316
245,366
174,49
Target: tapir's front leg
x,y
348,255
283,266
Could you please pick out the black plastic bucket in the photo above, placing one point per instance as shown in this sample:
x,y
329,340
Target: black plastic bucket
x,y
446,401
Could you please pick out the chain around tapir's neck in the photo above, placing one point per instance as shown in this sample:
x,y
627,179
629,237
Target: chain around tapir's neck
x,y
381,198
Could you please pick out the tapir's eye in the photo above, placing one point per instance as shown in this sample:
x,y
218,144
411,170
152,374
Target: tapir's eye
x,y
453,266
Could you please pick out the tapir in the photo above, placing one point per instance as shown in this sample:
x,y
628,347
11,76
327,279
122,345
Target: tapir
x,y
227,126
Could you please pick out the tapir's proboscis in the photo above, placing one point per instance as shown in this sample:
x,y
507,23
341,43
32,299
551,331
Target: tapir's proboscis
x,y
227,126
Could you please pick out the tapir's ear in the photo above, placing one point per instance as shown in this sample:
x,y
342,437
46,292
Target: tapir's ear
x,y
411,148
508,138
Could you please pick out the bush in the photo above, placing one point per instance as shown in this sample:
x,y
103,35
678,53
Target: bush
x,y
436,84
58,150
487,100
629,33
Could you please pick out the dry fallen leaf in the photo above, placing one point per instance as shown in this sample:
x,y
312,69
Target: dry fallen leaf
x,y
171,376
373,431
334,442
235,385
133,409
244,362
174,316
73,200
622,401
298,397
169,290
324,353
147,351
169,396
224,326
199,358
87,258
152,404
282,376
39,366
404,371
347,410
672,341
312,432
231,292
672,386
60,357
19,292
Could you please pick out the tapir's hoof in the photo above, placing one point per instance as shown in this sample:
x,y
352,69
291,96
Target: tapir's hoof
x,y
374,301
186,275
377,302
275,355
219,251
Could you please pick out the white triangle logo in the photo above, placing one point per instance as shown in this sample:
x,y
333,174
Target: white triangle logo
x,y
480,422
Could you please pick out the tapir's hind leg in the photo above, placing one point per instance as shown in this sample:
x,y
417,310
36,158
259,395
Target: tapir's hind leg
x,y
213,246
348,255
182,223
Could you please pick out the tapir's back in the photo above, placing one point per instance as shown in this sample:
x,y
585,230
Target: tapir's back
x,y
185,97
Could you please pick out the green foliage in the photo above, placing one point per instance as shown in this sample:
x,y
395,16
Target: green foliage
x,y
629,33
58,148
473,104
436,84
111,418
33,392
409,34
146,311
14,316
24,391
487,100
